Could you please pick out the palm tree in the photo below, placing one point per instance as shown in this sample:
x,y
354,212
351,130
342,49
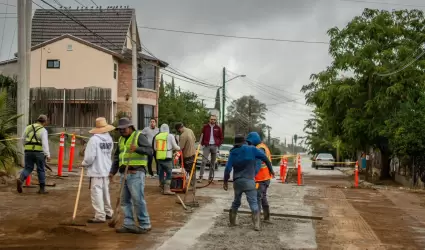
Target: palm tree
x,y
9,154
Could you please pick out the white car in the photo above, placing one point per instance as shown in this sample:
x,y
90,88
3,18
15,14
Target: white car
x,y
223,153
325,160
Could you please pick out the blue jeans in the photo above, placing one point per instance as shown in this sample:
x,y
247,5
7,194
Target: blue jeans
x,y
167,168
247,186
31,159
262,194
134,195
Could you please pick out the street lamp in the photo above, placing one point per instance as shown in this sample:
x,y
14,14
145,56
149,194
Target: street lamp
x,y
224,96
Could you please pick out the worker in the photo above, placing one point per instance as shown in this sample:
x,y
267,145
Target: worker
x,y
36,146
187,141
243,159
150,132
212,138
133,150
164,144
98,161
264,175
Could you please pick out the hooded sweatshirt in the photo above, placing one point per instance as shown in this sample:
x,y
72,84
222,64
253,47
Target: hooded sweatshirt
x,y
171,141
98,155
242,159
254,139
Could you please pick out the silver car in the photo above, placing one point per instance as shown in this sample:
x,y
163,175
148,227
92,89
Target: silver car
x,y
324,160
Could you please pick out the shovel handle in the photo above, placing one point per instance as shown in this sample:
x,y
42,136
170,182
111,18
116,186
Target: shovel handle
x,y
78,194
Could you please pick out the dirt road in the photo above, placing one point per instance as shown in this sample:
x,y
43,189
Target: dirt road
x,y
31,221
352,218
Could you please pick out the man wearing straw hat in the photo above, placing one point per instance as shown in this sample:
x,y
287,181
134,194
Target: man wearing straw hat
x,y
132,151
98,161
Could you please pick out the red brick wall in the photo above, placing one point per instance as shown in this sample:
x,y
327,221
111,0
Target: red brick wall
x,y
124,88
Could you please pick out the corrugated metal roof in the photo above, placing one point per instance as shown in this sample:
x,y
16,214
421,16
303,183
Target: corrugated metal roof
x,y
110,25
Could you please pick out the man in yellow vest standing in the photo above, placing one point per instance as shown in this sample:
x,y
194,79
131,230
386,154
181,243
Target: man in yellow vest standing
x,y
163,144
133,150
264,176
36,146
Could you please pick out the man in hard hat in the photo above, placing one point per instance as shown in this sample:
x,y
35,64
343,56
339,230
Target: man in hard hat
x,y
164,144
36,146
264,175
243,160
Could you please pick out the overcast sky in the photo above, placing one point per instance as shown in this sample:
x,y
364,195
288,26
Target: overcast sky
x,y
279,69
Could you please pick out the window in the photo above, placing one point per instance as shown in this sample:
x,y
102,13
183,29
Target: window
x,y
146,76
69,48
53,64
144,114
115,70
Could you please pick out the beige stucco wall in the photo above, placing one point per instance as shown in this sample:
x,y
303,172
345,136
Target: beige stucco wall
x,y
81,67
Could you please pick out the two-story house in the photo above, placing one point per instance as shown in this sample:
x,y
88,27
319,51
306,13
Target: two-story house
x,y
86,55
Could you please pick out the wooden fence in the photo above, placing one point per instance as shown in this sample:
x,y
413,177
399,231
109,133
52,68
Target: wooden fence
x,y
77,108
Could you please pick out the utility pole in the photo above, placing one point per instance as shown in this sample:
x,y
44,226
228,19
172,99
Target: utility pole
x,y
24,23
224,100
28,23
134,117
202,100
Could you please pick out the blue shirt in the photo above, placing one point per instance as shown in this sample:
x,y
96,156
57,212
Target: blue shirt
x,y
243,161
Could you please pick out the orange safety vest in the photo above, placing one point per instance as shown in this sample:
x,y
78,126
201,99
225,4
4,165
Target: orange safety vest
x,y
264,174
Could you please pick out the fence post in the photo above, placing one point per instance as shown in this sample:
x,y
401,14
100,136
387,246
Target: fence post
x,y
60,155
71,153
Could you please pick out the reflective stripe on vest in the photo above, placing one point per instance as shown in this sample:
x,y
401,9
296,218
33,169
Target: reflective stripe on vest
x,y
161,145
264,174
133,159
33,137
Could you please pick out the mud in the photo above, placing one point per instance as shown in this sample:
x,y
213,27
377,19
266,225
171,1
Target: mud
x,y
32,221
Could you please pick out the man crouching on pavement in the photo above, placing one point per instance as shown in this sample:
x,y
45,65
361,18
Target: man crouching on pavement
x,y
243,159
133,149
97,160
264,175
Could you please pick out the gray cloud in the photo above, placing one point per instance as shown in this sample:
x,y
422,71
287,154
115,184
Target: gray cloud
x,y
281,65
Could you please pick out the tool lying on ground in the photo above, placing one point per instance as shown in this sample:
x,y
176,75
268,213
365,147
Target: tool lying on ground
x,y
296,216
73,223
116,215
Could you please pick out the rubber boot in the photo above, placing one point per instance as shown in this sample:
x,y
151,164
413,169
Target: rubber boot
x,y
19,185
266,212
232,217
167,190
256,221
161,187
42,189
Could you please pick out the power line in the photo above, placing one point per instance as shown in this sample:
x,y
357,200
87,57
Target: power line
x,y
4,27
94,3
80,3
402,68
233,36
373,2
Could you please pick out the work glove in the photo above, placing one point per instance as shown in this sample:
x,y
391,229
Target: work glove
x,y
272,174
225,186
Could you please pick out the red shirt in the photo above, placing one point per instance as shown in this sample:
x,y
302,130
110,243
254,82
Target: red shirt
x,y
217,133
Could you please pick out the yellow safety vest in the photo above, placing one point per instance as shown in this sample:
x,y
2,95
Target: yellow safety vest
x,y
161,141
264,174
132,159
33,137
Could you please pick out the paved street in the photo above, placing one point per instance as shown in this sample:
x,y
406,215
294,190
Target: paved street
x,y
352,218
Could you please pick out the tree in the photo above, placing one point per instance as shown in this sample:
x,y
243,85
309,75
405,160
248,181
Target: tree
x,y
181,106
356,109
9,154
247,114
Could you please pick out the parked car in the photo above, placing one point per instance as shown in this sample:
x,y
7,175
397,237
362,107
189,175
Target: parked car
x,y
223,153
325,160
200,157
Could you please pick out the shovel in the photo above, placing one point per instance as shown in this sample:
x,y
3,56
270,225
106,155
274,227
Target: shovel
x,y
73,223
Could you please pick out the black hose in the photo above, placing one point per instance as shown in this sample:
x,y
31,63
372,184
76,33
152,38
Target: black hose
x,y
212,177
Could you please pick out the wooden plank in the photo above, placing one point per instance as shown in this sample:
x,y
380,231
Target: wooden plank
x,y
296,216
